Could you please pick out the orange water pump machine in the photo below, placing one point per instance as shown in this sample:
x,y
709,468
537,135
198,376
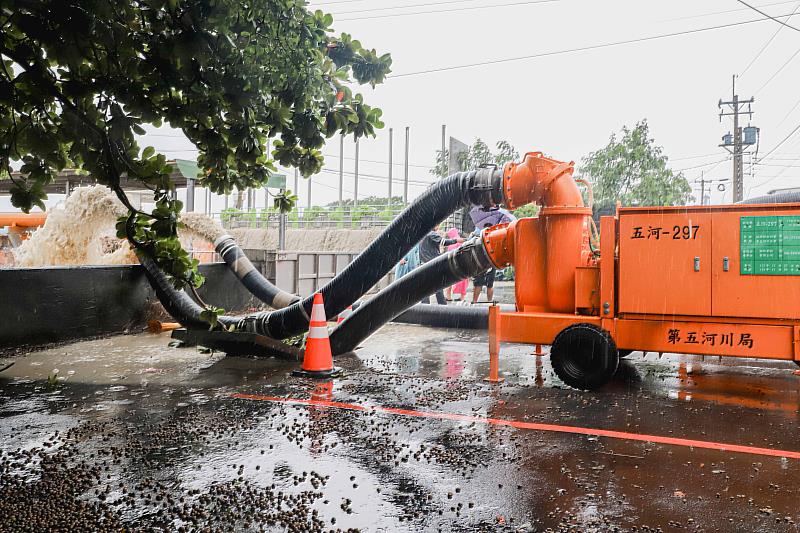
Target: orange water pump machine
x,y
711,280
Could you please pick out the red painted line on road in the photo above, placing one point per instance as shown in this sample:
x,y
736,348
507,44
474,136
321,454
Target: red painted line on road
x,y
554,428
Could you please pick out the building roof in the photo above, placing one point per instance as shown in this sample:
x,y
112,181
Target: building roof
x,y
181,173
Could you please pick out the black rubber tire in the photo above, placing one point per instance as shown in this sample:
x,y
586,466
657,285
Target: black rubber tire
x,y
797,363
624,353
584,356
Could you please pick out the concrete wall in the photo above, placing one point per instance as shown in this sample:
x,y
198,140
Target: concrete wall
x,y
56,304
303,240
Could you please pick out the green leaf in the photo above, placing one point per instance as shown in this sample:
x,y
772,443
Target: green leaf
x,y
229,75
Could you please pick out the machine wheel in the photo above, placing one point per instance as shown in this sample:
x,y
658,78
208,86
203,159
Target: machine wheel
x,y
624,353
584,356
797,363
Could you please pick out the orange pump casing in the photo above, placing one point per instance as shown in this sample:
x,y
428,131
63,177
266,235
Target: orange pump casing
x,y
686,279
545,250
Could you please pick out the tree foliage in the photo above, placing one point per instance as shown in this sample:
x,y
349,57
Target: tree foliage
x,y
475,156
80,78
527,210
633,170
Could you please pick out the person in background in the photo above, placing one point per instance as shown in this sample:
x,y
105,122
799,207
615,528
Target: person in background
x,y
407,263
457,292
484,280
430,247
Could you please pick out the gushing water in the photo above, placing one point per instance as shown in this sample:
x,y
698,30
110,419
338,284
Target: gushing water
x,y
78,232
202,225
81,231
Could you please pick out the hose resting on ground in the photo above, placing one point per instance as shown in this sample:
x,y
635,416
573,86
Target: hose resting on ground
x,y
482,187
467,261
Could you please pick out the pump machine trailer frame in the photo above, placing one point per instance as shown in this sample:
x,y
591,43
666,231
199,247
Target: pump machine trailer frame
x,y
709,280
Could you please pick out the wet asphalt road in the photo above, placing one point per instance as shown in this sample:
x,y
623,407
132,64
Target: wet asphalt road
x,y
137,435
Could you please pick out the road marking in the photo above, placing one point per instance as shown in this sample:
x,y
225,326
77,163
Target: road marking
x,y
553,428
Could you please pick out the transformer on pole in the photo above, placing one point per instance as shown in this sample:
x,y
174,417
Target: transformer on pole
x,y
734,143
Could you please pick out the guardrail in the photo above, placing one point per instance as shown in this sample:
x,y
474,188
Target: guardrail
x,y
361,217
303,273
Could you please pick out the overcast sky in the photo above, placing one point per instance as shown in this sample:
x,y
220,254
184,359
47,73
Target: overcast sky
x,y
567,104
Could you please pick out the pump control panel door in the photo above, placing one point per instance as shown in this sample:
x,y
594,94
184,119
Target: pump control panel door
x,y
757,263
665,262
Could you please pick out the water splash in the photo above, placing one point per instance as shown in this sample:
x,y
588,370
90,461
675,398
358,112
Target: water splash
x,y
81,231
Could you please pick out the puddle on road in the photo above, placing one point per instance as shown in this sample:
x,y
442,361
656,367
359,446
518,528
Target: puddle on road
x,y
146,436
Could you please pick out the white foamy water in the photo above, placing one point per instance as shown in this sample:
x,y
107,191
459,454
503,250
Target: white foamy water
x,y
78,232
202,225
81,231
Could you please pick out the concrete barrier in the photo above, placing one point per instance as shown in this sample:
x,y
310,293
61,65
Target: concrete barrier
x,y
57,304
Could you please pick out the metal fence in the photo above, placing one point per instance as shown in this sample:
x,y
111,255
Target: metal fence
x,y
361,217
303,273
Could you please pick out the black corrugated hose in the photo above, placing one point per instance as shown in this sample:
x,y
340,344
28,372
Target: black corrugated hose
x,y
177,303
479,187
482,187
251,278
449,316
467,261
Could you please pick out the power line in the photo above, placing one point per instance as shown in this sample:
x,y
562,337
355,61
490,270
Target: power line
x,y
786,167
451,10
376,177
703,165
728,11
767,15
752,61
426,167
317,4
765,156
789,113
758,163
778,71
579,49
693,157
409,6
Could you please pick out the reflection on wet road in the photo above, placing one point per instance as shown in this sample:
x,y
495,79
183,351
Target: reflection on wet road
x,y
131,433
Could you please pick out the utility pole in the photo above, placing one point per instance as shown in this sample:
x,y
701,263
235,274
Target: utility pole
x,y
296,184
282,228
391,138
736,108
702,188
341,168
355,191
309,191
444,147
722,185
190,195
405,168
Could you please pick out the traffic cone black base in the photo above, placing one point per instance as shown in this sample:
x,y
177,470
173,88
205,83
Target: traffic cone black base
x,y
318,374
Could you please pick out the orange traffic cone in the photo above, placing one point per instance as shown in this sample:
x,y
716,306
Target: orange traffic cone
x,y
317,360
344,314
